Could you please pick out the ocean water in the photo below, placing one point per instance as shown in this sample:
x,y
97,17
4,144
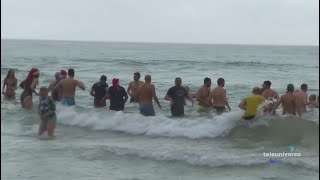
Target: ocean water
x,y
99,144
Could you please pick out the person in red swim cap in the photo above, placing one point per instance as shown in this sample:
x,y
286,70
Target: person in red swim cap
x,y
29,86
117,95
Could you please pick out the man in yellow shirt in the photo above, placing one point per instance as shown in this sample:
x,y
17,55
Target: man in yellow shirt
x,y
250,104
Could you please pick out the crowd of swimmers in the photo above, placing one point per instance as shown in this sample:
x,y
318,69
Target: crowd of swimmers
x,y
63,89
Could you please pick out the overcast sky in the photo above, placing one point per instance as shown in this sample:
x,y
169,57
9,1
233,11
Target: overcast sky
x,y
279,22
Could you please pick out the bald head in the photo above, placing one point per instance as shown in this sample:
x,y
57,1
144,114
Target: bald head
x,y
147,78
256,90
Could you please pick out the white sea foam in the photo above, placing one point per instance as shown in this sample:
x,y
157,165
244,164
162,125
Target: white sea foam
x,y
151,126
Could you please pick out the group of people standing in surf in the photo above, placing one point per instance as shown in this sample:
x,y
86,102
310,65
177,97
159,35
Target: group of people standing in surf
x,y
63,89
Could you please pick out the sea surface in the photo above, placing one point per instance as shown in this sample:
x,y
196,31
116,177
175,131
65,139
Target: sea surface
x,y
94,144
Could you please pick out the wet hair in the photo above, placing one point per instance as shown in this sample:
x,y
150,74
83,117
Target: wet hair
x,y
103,78
8,74
313,97
206,80
304,86
178,78
138,74
268,83
70,72
33,73
290,88
220,81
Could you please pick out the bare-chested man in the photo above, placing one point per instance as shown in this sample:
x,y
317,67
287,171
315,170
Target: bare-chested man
x,y
219,97
202,96
302,98
134,86
270,94
69,85
288,102
146,93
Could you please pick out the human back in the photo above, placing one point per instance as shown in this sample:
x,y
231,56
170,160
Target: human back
x,y
146,93
301,98
289,103
218,96
69,87
252,102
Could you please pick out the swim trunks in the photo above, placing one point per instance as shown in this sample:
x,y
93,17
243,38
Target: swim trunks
x,y
147,110
52,117
68,101
219,110
202,108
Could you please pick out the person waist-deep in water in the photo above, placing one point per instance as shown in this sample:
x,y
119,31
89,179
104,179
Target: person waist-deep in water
x,y
9,85
176,95
146,94
117,95
68,86
251,103
29,85
99,91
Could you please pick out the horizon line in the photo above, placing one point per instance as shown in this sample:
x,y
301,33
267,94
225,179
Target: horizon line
x,y
106,41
